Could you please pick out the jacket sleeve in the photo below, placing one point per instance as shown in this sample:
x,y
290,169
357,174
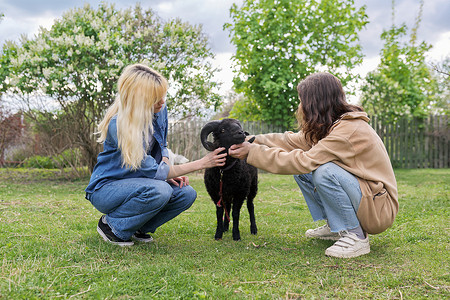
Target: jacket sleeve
x,y
151,169
289,160
287,141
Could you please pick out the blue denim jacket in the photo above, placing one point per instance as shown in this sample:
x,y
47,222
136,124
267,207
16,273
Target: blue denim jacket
x,y
109,161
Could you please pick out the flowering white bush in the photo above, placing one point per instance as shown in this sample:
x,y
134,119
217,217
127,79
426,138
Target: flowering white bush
x,y
78,60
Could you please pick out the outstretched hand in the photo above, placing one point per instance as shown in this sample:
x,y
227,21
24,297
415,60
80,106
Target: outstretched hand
x,y
240,150
214,158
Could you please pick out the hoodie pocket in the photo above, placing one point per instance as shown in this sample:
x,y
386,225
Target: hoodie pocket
x,y
380,193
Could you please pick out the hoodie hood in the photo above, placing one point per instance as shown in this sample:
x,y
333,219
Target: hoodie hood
x,y
355,115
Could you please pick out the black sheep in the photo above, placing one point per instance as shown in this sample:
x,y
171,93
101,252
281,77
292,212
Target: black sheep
x,y
232,183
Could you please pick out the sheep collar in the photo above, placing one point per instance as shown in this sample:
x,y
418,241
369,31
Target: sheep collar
x,y
229,166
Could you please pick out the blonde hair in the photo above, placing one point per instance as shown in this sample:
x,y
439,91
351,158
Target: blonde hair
x,y
139,89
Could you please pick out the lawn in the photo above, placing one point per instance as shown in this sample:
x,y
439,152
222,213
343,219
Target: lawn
x,y
50,248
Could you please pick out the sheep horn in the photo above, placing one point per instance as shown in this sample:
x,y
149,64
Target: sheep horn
x,y
206,130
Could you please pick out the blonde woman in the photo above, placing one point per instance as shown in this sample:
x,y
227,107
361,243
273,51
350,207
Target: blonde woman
x,y
133,183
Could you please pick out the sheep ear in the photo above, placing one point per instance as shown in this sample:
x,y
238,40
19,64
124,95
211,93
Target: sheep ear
x,y
206,130
251,139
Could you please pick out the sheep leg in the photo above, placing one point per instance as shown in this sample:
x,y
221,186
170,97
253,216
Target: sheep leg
x,y
226,221
251,212
219,229
236,213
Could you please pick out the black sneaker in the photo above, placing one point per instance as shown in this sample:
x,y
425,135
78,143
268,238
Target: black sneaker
x,y
142,237
105,231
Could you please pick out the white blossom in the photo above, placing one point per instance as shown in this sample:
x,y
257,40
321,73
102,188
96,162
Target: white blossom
x,y
99,86
55,84
103,36
79,40
13,80
95,24
21,58
68,41
72,87
46,72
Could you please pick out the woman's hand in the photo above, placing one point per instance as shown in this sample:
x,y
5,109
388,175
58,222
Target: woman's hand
x,y
214,159
240,150
210,160
179,181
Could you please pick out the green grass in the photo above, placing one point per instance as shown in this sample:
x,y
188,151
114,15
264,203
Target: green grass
x,y
49,247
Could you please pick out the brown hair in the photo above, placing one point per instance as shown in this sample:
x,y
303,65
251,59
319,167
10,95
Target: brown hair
x,y
322,102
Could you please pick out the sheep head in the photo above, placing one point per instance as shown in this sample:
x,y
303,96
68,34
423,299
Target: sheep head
x,y
225,133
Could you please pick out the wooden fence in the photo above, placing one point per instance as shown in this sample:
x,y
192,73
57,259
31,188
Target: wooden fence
x,y
415,143
184,137
410,143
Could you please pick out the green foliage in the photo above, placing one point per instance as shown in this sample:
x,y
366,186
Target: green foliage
x,y
279,42
50,248
402,84
76,63
245,109
67,159
40,162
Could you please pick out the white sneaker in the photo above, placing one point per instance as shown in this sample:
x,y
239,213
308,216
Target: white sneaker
x,y
322,232
349,245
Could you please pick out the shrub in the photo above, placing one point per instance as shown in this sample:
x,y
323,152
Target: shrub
x,y
40,162
68,158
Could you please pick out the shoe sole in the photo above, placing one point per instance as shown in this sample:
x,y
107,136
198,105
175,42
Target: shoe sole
x,y
360,252
327,238
150,240
121,244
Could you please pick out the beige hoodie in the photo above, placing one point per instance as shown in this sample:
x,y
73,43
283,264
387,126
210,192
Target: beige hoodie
x,y
353,145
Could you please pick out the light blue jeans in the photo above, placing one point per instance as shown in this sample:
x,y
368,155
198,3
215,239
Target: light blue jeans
x,y
140,204
332,194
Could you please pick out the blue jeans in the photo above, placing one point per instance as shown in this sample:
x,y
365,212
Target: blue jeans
x,y
140,204
332,194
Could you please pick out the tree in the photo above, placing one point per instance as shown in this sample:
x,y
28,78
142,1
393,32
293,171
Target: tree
x,y
442,71
402,84
72,68
279,42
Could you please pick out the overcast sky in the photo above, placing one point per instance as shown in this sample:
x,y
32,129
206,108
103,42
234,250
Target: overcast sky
x,y
25,17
